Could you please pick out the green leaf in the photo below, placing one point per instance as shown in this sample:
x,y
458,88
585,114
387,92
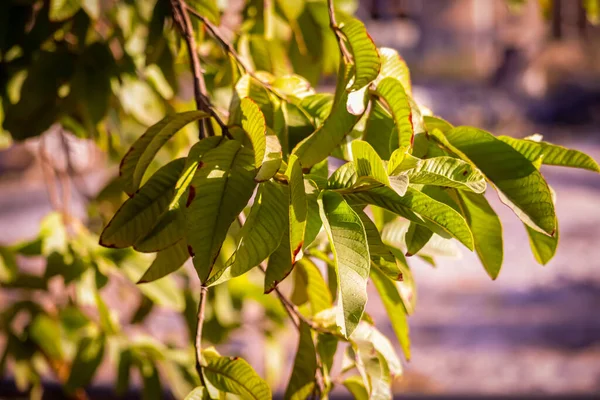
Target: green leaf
x,y
272,160
167,231
318,145
235,375
151,389
249,87
281,263
45,332
315,287
142,152
395,308
302,381
199,393
364,53
356,387
392,92
543,246
394,66
61,10
348,241
551,154
519,183
486,228
366,333
378,129
432,123
291,9
123,372
88,357
369,165
260,235
139,213
378,251
167,261
222,188
448,172
417,236
254,124
206,8
436,214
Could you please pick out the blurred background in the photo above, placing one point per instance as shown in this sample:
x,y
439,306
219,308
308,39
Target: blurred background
x,y
514,68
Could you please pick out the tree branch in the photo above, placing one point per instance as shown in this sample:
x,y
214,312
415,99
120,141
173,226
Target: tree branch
x,y
182,19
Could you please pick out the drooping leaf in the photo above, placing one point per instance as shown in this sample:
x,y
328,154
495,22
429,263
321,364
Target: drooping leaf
x,y
254,124
302,381
314,286
519,183
448,172
356,387
142,151
281,264
44,331
543,246
417,236
88,357
348,241
206,8
235,375
486,228
338,124
395,308
378,129
167,261
139,213
392,92
394,66
365,55
61,10
123,372
199,393
168,230
369,334
436,215
260,235
551,154
272,160
219,191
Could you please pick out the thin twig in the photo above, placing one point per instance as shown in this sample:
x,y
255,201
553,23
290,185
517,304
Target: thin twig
x,y
218,36
339,35
182,19
201,307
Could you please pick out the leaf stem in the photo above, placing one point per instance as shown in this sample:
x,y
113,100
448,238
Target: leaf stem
x,y
198,343
339,35
182,19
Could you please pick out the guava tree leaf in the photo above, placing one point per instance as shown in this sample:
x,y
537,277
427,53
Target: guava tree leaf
x,y
167,261
254,124
302,380
369,334
139,213
249,87
219,191
520,185
394,306
417,236
337,125
348,241
394,66
436,213
487,230
44,331
199,393
378,251
272,160
314,286
364,52
283,260
235,375
448,172
356,387
369,165
88,357
142,151
551,154
168,230
432,123
61,10
207,8
392,92
378,129
261,234
543,246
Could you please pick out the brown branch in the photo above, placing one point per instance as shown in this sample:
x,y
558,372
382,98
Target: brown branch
x,y
339,35
219,37
198,343
182,19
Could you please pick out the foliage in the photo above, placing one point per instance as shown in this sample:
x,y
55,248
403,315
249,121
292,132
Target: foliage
x,y
315,192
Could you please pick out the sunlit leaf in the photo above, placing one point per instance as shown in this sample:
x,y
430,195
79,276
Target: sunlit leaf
x,y
88,357
364,53
61,10
543,246
302,380
394,66
449,172
392,92
167,261
417,236
356,387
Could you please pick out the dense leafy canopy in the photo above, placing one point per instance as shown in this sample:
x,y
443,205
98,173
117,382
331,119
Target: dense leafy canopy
x,y
257,191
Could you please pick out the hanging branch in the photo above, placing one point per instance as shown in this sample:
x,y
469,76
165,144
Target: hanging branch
x,y
198,343
182,19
